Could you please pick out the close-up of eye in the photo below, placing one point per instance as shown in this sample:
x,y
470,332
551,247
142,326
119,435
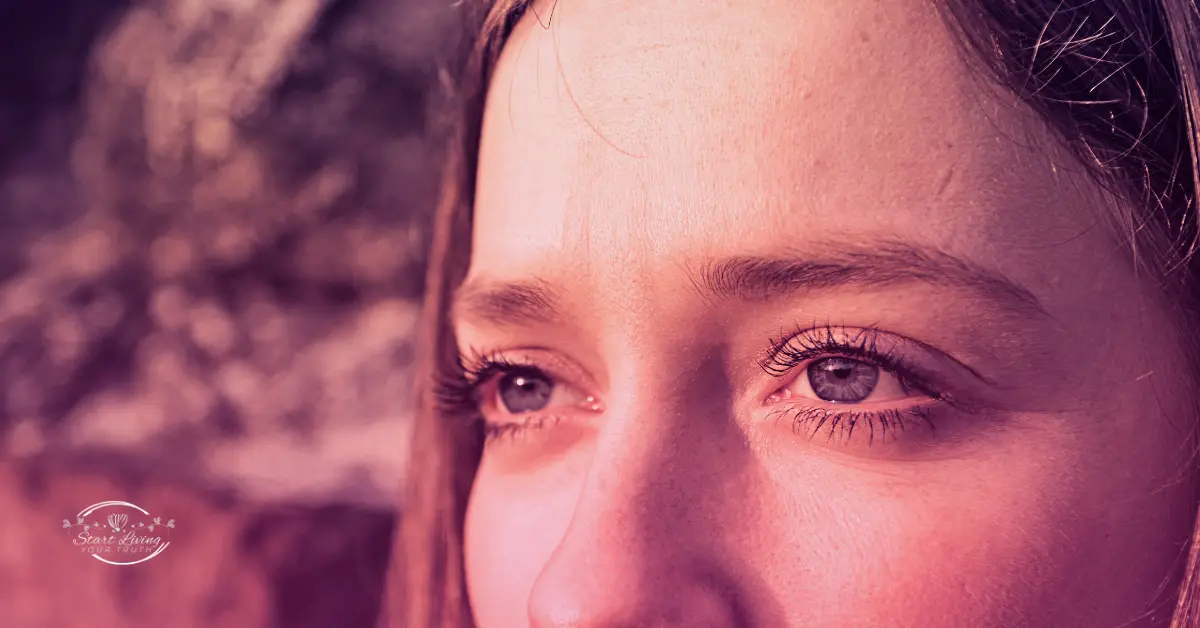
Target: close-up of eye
x,y
838,381
842,380
511,395
847,366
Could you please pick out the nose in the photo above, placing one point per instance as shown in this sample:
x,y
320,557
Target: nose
x,y
581,589
652,541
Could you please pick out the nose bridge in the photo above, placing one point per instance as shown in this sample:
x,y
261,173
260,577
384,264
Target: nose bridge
x,y
669,446
648,541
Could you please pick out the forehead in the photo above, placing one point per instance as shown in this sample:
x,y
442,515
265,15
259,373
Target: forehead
x,y
630,137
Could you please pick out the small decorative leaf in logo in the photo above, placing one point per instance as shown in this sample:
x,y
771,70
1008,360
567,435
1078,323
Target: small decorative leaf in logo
x,y
115,534
117,521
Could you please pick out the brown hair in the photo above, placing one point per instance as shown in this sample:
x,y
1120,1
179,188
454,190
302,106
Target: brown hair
x,y
1115,79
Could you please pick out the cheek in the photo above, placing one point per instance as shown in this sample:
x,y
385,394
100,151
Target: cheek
x,y
1034,534
861,548
512,528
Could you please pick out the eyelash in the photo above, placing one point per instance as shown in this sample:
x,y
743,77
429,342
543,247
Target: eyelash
x,y
860,344
457,389
790,352
842,423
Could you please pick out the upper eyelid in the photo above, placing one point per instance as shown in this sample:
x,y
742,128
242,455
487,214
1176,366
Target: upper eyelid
x,y
884,349
832,343
538,358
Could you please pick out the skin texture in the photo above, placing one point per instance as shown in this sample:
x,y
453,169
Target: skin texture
x,y
629,151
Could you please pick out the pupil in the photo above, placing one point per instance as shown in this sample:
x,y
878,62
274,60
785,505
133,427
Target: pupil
x,y
526,390
842,380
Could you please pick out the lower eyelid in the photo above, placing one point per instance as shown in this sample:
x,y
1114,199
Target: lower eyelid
x,y
520,422
872,428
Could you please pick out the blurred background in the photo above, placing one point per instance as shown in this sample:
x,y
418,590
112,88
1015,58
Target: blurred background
x,y
213,217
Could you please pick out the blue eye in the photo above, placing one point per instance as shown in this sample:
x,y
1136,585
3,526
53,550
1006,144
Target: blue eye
x,y
524,390
842,380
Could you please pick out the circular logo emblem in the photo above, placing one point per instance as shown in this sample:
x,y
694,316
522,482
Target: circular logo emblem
x,y
119,533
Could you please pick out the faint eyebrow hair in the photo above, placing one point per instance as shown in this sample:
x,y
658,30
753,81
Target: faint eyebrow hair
x,y
530,301
756,278
878,265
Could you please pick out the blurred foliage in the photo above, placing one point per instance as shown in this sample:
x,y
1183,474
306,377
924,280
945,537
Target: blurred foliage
x,y
213,217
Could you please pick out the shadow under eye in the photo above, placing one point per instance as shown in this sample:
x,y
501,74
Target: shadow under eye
x,y
519,427
906,434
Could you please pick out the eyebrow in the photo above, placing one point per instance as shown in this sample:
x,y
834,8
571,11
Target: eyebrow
x,y
757,278
530,301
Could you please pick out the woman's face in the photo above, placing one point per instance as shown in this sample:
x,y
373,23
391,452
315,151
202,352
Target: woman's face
x,y
785,318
